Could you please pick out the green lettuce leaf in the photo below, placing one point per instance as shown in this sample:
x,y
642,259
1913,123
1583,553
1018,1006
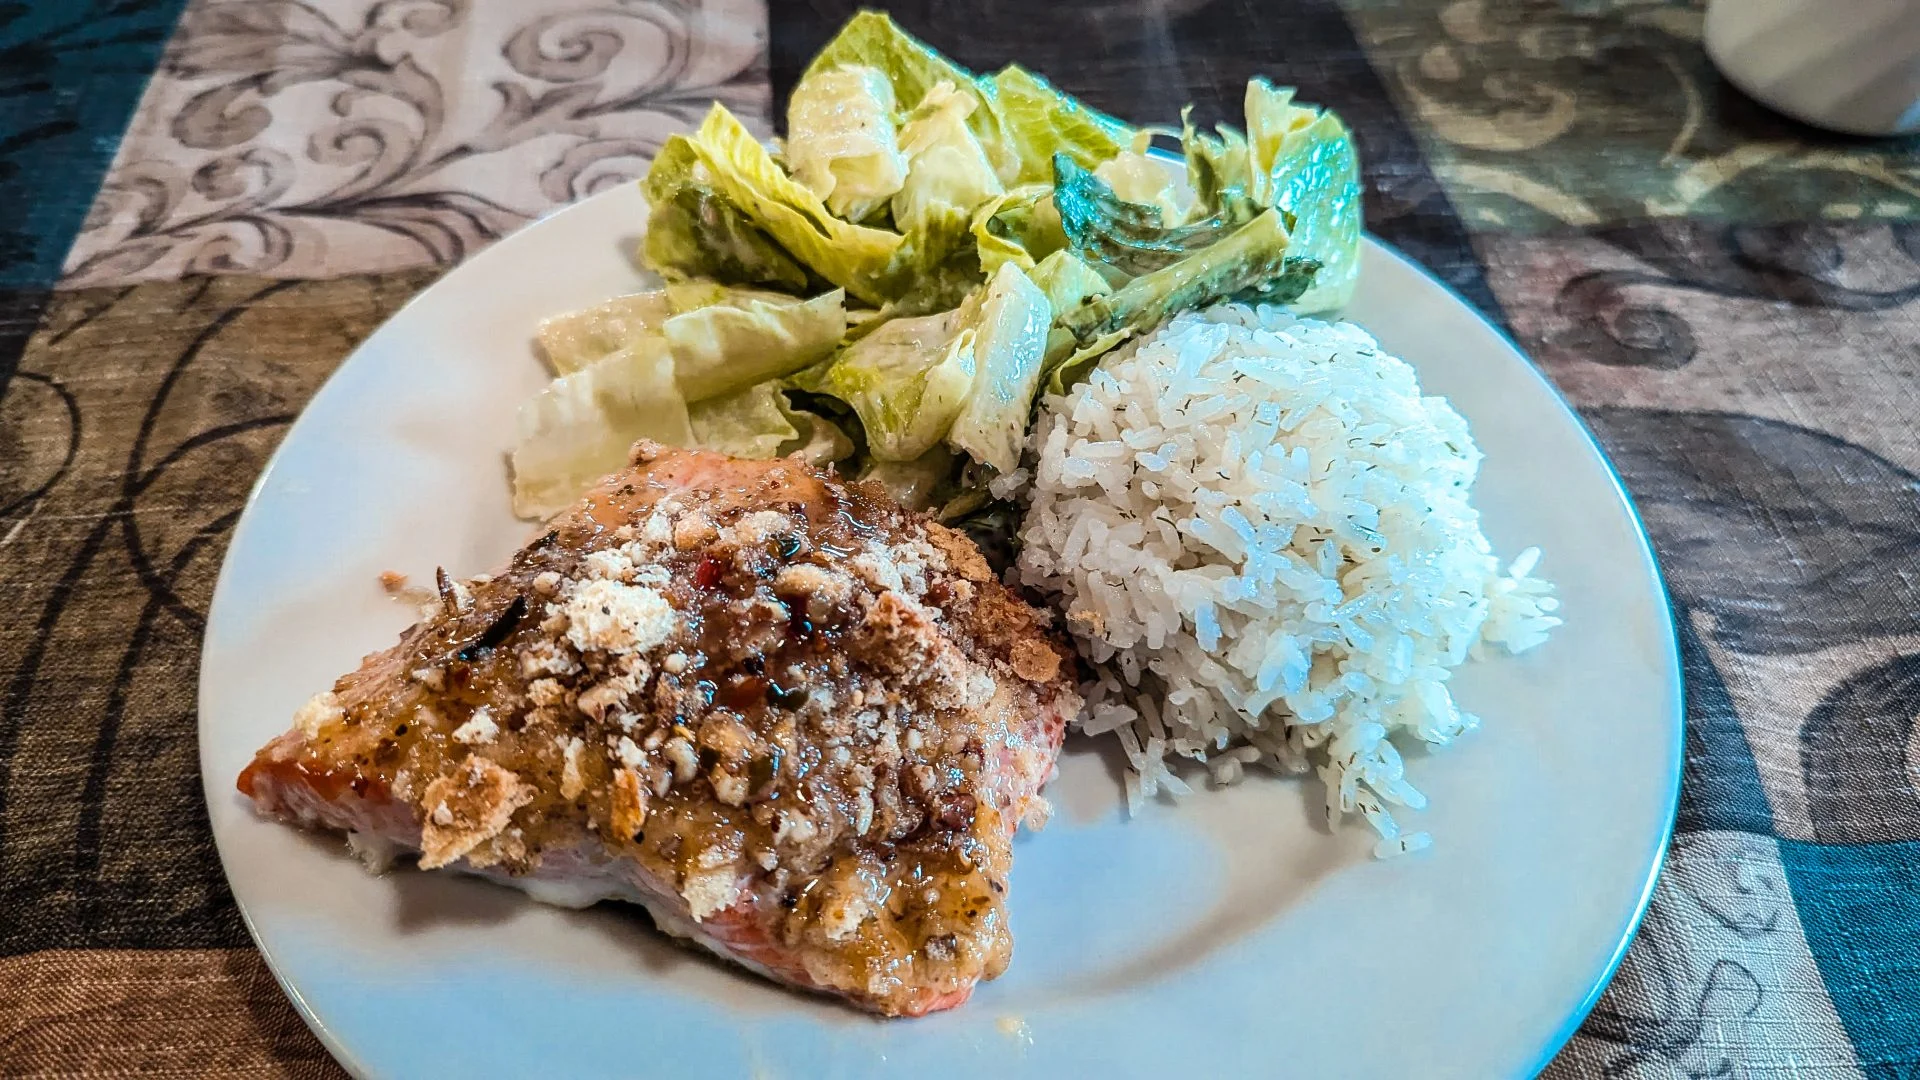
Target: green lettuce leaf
x,y
906,381
871,39
934,270
1127,239
841,141
1011,324
1272,118
1304,163
995,245
1219,170
1021,122
1035,122
1250,265
967,376
725,346
1019,227
581,427
759,422
750,423
854,257
936,266
693,231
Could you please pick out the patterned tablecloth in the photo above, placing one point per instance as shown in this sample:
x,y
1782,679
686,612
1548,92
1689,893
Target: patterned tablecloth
x,y
204,206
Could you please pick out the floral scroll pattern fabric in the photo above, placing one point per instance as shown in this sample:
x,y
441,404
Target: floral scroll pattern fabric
x,y
309,141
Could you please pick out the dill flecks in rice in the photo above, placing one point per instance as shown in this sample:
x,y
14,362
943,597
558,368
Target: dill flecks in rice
x,y
1260,531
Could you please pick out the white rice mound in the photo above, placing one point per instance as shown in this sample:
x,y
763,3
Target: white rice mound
x,y
1259,530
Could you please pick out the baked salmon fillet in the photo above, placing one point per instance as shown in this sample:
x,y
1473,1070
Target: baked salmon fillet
x,y
797,723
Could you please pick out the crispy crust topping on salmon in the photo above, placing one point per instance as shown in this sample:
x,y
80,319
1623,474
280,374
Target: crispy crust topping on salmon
x,y
797,722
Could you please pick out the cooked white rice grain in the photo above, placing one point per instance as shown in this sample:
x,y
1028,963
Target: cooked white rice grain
x,y
1260,531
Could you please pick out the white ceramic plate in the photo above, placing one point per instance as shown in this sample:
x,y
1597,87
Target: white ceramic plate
x,y
1228,935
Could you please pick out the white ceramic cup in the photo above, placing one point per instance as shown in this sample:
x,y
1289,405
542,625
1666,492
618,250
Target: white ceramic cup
x,y
1846,65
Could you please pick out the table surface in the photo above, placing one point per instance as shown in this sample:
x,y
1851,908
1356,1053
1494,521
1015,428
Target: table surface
x,y
205,205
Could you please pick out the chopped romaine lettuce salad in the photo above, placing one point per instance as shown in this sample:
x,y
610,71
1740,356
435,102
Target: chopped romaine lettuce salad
x,y
891,287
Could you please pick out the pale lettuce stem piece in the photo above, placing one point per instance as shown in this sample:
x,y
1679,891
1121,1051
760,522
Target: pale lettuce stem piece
x,y
720,348
949,174
576,339
759,423
1137,177
821,440
1012,321
1068,281
871,39
841,141
1021,122
724,351
572,341
581,427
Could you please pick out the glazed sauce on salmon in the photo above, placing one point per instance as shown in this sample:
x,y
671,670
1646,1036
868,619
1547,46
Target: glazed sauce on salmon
x,y
798,722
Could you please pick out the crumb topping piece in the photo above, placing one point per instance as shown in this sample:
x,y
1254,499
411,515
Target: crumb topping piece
x,y
468,807
606,615
478,730
321,710
1034,662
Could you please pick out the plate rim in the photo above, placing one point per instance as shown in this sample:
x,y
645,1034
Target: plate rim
x,y
1677,670
1372,247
